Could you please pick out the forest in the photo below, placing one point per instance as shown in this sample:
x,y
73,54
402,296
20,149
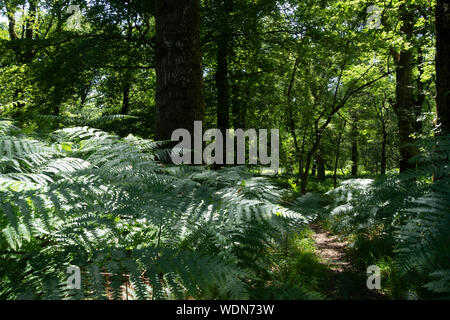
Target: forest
x,y
347,102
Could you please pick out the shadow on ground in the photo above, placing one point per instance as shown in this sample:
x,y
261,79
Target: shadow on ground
x,y
344,281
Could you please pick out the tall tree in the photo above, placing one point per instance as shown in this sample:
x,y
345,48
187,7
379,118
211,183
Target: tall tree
x,y
382,113
223,51
179,80
354,137
442,66
338,151
222,76
405,106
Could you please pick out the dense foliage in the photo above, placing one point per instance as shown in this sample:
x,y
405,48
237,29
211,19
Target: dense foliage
x,y
357,89
402,223
84,197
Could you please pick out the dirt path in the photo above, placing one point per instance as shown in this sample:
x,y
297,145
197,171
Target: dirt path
x,y
330,249
343,282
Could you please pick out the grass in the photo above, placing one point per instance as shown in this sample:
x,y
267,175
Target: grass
x,y
299,265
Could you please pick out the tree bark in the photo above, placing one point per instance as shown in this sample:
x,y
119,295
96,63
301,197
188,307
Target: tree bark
x,y
31,19
383,152
302,152
420,91
223,88
304,179
320,168
404,106
11,22
126,99
354,135
223,92
314,169
291,120
442,67
223,52
338,152
179,79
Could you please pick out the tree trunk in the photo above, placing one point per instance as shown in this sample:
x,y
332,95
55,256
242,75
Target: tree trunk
x,y
314,169
354,158
291,120
10,12
31,19
320,168
223,88
300,158
179,79
238,104
420,91
383,152
304,179
442,67
223,52
354,135
310,153
338,151
126,99
404,106
30,52
223,92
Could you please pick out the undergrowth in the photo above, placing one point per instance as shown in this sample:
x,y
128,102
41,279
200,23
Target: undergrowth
x,y
135,226
400,223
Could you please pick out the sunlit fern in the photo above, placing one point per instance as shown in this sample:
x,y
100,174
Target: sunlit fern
x,y
410,209
87,198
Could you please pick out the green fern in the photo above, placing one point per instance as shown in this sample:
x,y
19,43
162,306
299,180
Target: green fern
x,y
411,211
135,227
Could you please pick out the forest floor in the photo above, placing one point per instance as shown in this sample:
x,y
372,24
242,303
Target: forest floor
x,y
344,282
330,249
